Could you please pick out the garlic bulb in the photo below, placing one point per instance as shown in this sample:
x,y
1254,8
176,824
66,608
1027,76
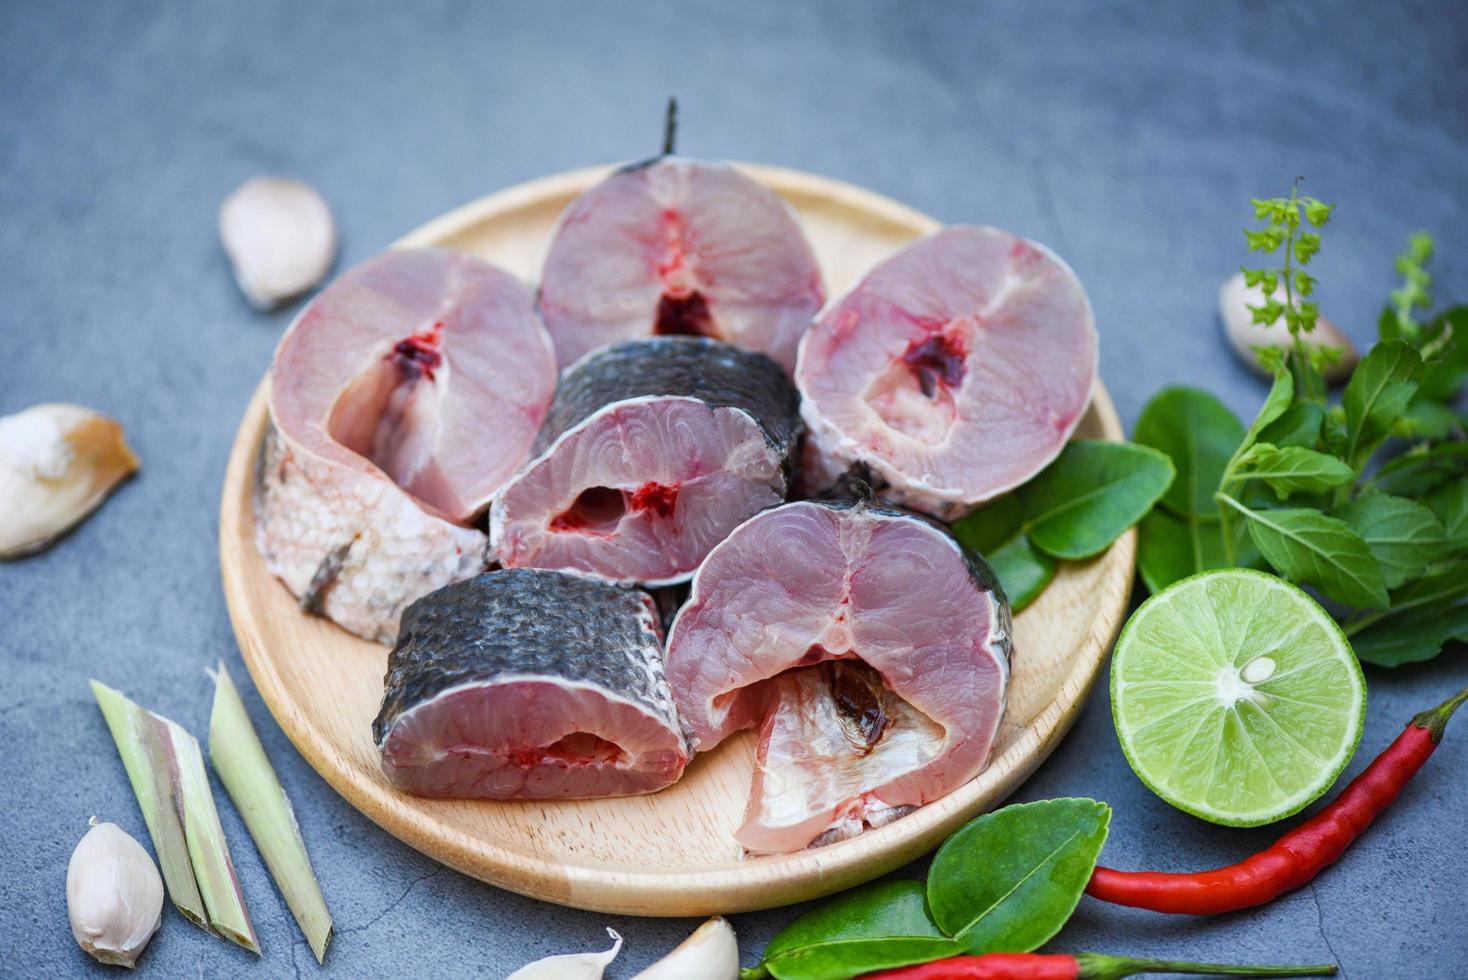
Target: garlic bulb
x,y
57,463
280,238
711,953
571,966
114,895
1234,300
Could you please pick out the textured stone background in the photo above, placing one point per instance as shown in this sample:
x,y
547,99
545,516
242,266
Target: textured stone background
x,y
1128,136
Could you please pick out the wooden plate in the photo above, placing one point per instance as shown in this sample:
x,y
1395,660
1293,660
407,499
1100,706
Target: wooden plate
x,y
671,853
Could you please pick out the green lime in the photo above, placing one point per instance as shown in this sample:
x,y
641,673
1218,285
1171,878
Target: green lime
x,y
1236,697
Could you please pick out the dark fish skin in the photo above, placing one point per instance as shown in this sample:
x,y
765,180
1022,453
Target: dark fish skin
x,y
525,621
714,372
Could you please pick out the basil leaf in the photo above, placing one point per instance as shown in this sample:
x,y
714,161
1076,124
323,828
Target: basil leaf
x,y
1200,435
997,533
1380,388
1172,548
1091,494
1307,546
1298,425
1450,504
1405,536
1009,880
1421,471
1426,419
1281,394
1444,375
1293,469
1408,638
883,925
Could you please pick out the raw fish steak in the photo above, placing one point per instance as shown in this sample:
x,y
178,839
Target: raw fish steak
x,y
869,648
401,398
955,370
653,451
679,246
524,683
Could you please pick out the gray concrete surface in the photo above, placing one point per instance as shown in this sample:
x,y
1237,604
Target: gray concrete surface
x,y
1128,136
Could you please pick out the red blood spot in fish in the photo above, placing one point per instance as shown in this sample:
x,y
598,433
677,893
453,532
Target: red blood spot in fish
x,y
657,497
814,655
418,355
1022,251
683,315
576,749
596,510
936,359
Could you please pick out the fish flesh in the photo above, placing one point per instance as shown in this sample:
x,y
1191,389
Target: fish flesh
x,y
401,399
956,370
653,451
869,648
679,246
525,683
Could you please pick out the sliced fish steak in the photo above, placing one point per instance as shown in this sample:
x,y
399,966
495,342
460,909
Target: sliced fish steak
x,y
679,246
653,451
955,370
866,644
525,683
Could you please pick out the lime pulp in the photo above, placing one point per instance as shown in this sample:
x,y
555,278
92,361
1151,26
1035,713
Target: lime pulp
x,y
1236,697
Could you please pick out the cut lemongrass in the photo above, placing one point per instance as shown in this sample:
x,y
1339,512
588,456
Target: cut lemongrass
x,y
166,768
148,761
243,767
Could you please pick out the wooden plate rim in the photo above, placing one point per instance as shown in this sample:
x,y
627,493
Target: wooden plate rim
x,y
737,885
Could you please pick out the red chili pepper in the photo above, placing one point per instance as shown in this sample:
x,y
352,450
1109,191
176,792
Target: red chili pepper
x,y
1297,857
1080,966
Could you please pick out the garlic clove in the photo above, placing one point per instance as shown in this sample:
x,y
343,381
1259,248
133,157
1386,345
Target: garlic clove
x,y
114,896
571,966
280,238
1234,300
711,953
57,463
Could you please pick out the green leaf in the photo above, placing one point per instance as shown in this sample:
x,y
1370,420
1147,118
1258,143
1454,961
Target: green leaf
x,y
1412,637
1315,212
1281,394
1379,390
1264,240
1444,375
877,927
1304,283
997,532
1426,419
1199,434
1450,504
1091,494
1293,469
1007,881
1389,325
1307,546
1172,548
1405,536
1299,425
1424,469
1306,247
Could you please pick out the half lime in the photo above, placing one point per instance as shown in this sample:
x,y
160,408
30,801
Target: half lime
x,y
1236,697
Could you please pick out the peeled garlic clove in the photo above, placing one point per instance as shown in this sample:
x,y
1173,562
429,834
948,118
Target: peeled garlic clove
x,y
711,953
57,463
571,966
114,895
1234,300
280,238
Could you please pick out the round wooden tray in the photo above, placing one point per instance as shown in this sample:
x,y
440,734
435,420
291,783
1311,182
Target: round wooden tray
x,y
671,853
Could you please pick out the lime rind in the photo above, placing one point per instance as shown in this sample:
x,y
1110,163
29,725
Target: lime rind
x,y
1226,750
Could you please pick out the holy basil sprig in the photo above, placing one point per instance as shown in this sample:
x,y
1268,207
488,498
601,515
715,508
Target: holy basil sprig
x,y
1073,510
1004,882
1303,490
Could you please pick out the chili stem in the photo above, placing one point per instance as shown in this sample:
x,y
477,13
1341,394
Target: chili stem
x,y
1094,966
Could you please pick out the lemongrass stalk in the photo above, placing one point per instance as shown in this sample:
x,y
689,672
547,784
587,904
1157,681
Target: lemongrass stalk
x,y
213,869
166,768
245,770
147,760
